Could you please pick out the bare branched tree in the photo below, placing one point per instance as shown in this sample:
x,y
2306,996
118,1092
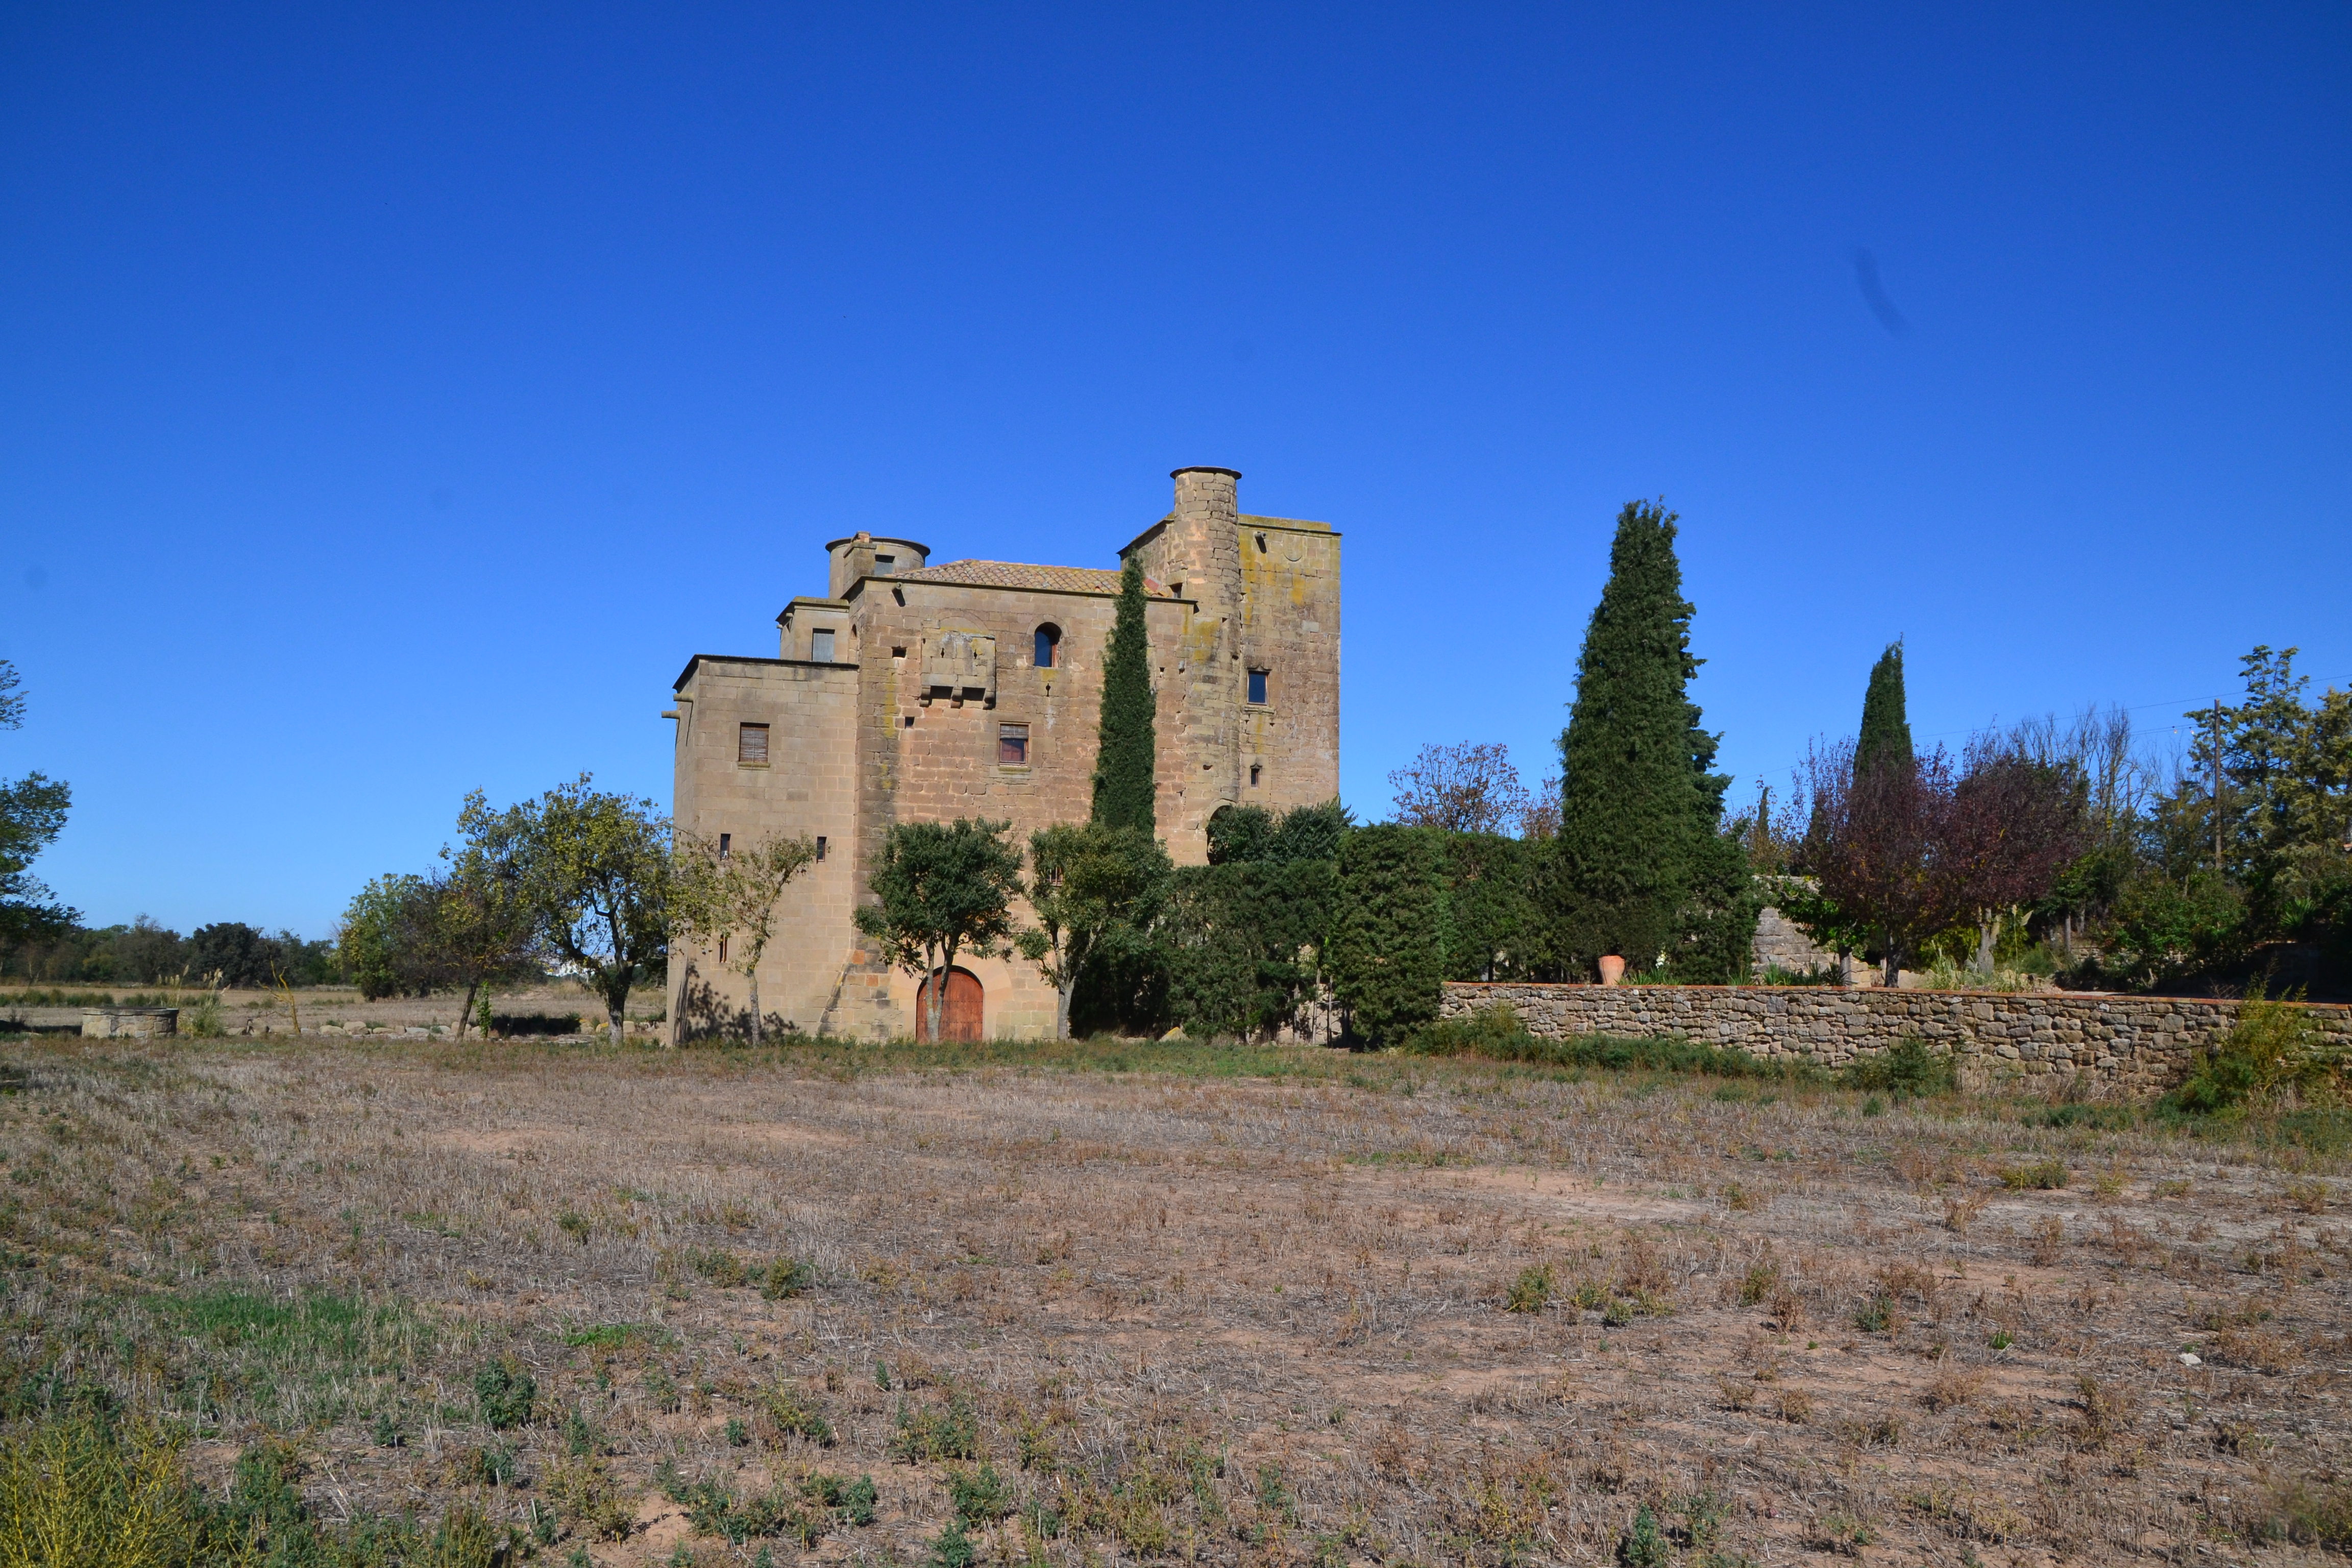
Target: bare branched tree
x,y
1464,789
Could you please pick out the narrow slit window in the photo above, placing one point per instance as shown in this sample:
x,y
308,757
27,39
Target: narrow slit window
x,y
1253,772
821,644
819,846
722,950
725,840
1258,686
1049,645
1013,745
752,745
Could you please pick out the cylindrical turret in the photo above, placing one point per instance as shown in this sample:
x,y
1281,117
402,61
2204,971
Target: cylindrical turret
x,y
866,555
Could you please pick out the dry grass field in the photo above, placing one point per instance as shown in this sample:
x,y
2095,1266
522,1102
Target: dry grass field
x,y
1120,1304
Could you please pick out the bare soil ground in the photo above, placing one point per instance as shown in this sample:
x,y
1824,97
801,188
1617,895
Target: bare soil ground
x,y
1141,1303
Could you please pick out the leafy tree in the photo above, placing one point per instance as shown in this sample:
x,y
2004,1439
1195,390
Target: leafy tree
x,y
1389,931
32,813
1243,937
230,953
1085,882
1884,738
484,929
1886,726
383,940
735,894
1462,789
2165,931
593,872
941,889
1876,841
2016,823
1491,895
1126,758
1643,870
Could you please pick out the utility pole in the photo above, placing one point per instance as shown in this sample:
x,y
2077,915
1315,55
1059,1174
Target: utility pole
x,y
2217,786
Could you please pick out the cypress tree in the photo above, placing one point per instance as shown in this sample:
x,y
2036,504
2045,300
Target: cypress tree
x,y
1643,869
1885,729
1125,755
1389,929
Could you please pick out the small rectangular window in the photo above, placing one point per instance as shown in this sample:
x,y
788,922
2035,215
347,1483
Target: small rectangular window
x,y
1253,769
724,841
722,950
1258,686
1013,745
752,745
819,846
821,644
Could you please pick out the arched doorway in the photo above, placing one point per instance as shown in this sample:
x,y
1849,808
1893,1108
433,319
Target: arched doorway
x,y
958,1015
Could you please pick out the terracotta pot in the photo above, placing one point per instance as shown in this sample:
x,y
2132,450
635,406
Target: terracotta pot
x,y
1612,970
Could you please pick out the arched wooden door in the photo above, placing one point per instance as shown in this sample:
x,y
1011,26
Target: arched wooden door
x,y
959,1016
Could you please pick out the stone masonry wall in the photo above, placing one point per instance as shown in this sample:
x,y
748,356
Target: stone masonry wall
x,y
2102,1047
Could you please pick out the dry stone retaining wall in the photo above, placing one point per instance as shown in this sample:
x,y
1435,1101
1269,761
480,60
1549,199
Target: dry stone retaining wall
x,y
2109,1047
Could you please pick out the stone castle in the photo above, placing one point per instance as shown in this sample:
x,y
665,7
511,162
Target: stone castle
x,y
911,693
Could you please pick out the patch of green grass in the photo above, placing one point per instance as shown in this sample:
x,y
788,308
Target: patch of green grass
x,y
1495,1033
613,1336
263,1352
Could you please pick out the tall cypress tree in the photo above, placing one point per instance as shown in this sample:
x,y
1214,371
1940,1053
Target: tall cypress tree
x,y
1885,729
1643,869
1125,753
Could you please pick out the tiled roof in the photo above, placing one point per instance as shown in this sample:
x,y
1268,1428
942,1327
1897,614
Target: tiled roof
x,y
1019,574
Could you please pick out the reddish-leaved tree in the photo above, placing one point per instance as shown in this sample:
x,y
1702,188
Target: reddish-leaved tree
x,y
2015,823
1878,843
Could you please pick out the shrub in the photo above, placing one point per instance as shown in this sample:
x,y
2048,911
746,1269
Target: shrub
x,y
853,1501
1497,1034
1908,1066
2268,1057
721,1268
928,1434
1531,1292
585,1490
1386,956
2041,1175
953,1549
796,1413
1645,1544
980,1495
74,1491
785,1276
505,1394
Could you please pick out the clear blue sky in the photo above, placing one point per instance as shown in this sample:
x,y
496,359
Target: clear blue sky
x,y
391,398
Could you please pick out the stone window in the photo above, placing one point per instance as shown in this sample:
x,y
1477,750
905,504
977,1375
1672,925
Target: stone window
x,y
1257,687
1013,745
725,839
882,564
1049,644
821,644
722,950
819,846
1253,772
752,745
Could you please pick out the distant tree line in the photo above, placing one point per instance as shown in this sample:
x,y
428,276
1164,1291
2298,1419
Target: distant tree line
x,y
225,953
